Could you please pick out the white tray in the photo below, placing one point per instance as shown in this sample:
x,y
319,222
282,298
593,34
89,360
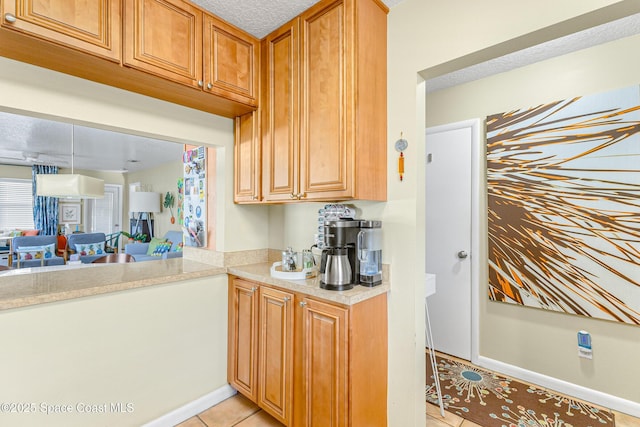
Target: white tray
x,y
305,273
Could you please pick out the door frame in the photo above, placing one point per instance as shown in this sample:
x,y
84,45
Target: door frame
x,y
477,197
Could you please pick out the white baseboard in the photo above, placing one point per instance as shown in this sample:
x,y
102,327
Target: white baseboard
x,y
582,393
193,408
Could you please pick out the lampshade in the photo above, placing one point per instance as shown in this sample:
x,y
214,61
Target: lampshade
x,y
69,185
144,201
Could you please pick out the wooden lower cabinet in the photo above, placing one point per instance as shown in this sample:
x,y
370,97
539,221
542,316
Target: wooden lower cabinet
x,y
243,337
275,354
318,363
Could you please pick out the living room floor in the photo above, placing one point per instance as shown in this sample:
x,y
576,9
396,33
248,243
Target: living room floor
x,y
238,411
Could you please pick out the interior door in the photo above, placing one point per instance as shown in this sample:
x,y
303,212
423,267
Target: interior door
x,y
104,215
449,207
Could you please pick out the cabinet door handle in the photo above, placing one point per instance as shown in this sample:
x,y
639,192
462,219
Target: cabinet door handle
x,y
10,18
254,289
302,303
286,299
200,83
292,196
301,196
209,86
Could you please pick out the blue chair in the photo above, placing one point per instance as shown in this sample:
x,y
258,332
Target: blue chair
x,y
89,246
35,251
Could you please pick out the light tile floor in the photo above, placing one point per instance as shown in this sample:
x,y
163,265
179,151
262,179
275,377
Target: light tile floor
x,y
238,411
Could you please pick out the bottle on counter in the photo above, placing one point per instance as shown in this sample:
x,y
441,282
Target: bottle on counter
x,y
289,260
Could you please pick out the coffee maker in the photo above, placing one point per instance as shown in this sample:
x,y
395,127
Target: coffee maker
x,y
338,265
352,254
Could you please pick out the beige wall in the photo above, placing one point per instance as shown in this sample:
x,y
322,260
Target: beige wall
x,y
156,348
424,34
515,335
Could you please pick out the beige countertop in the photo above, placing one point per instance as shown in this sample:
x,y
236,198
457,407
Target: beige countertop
x,y
31,286
262,273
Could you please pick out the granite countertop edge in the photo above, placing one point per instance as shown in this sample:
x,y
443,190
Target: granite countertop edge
x,y
50,284
261,273
23,289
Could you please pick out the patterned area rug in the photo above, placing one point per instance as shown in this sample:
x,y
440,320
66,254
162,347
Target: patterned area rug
x,y
491,400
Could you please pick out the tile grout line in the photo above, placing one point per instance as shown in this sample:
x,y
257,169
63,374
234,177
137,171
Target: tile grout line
x,y
248,416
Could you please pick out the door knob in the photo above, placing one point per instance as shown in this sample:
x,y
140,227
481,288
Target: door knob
x,y
462,254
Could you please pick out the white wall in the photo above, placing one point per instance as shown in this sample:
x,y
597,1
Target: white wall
x,y
155,348
513,334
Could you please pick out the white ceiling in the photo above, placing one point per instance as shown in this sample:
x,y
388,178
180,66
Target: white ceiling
x,y
25,140
28,140
260,17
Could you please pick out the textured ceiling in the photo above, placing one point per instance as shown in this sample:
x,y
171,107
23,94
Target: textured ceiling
x,y
608,32
260,17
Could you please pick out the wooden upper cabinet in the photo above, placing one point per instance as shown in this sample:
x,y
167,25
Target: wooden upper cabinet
x,y
326,145
324,101
280,108
178,41
91,26
231,59
164,37
246,159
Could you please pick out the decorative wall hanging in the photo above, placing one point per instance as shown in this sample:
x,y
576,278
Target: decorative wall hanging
x,y
69,213
564,206
400,146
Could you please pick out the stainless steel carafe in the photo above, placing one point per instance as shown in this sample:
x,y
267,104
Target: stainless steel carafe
x,y
335,270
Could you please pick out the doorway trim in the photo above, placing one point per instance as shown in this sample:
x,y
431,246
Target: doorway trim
x,y
477,196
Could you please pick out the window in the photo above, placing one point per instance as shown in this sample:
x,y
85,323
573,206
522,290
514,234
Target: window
x,y
16,204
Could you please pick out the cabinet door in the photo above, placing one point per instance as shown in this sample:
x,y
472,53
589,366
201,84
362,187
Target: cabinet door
x,y
243,337
164,37
275,365
91,26
280,104
247,159
231,59
326,152
321,394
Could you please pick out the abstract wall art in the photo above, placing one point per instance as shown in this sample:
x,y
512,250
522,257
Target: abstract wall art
x,y
563,185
